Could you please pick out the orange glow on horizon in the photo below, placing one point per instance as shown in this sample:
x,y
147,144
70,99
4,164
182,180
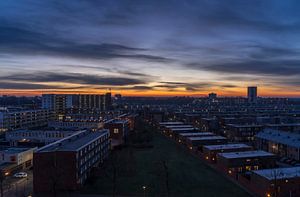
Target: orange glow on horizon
x,y
263,92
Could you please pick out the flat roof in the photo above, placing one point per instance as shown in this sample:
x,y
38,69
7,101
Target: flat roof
x,y
282,137
179,126
283,124
115,121
44,131
14,150
196,134
170,123
207,138
208,118
246,154
226,146
73,142
184,129
279,173
244,125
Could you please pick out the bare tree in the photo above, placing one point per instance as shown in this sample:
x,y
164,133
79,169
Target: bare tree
x,y
162,172
112,170
56,175
275,174
166,174
2,177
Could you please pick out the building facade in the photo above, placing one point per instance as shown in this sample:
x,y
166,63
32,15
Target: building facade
x,y
281,143
61,102
67,163
24,119
252,94
13,159
239,162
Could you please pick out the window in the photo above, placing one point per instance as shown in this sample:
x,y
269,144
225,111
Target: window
x,y
116,131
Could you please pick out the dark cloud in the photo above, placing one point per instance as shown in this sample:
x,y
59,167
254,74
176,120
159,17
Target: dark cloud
x,y
257,38
114,70
192,86
16,85
10,85
21,41
279,67
254,59
76,78
138,88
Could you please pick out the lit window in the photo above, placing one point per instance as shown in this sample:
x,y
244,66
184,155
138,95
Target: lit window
x,y
116,130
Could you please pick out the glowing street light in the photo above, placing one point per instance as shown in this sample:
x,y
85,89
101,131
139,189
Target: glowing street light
x,y
144,189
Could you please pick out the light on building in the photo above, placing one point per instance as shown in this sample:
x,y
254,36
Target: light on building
x,y
206,157
229,171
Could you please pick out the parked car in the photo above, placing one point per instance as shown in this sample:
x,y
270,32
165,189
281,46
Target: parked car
x,y
20,175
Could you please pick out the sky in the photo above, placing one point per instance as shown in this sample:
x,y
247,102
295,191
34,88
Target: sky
x,y
150,47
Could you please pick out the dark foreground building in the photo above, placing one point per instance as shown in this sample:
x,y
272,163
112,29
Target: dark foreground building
x,y
66,164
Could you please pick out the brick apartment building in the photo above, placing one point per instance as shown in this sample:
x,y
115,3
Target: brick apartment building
x,y
119,130
66,164
240,162
279,182
210,151
281,143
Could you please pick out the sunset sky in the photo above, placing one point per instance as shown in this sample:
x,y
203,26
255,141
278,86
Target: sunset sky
x,y
150,48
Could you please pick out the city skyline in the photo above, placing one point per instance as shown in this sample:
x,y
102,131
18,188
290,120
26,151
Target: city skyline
x,y
158,48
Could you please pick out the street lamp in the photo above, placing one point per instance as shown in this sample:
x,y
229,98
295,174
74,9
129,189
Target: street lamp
x,y
144,188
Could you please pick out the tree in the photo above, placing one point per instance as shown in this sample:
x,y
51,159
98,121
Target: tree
x,y
56,175
112,170
2,177
275,174
166,174
162,171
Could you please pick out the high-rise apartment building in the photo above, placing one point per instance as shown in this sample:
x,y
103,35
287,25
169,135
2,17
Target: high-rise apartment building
x,y
61,102
252,94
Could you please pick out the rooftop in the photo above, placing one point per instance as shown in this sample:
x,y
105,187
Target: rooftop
x,y
226,146
44,131
14,150
179,126
246,154
184,129
283,124
116,121
207,138
170,123
282,137
279,173
244,125
73,142
196,134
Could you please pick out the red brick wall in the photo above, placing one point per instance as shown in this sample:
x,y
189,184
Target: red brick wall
x,y
47,175
111,127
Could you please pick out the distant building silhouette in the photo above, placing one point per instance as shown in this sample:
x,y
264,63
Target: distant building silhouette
x,y
212,95
252,94
61,102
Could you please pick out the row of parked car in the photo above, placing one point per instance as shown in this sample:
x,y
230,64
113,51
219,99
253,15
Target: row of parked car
x,y
289,161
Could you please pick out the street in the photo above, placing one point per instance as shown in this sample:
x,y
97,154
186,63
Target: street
x,y
18,187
